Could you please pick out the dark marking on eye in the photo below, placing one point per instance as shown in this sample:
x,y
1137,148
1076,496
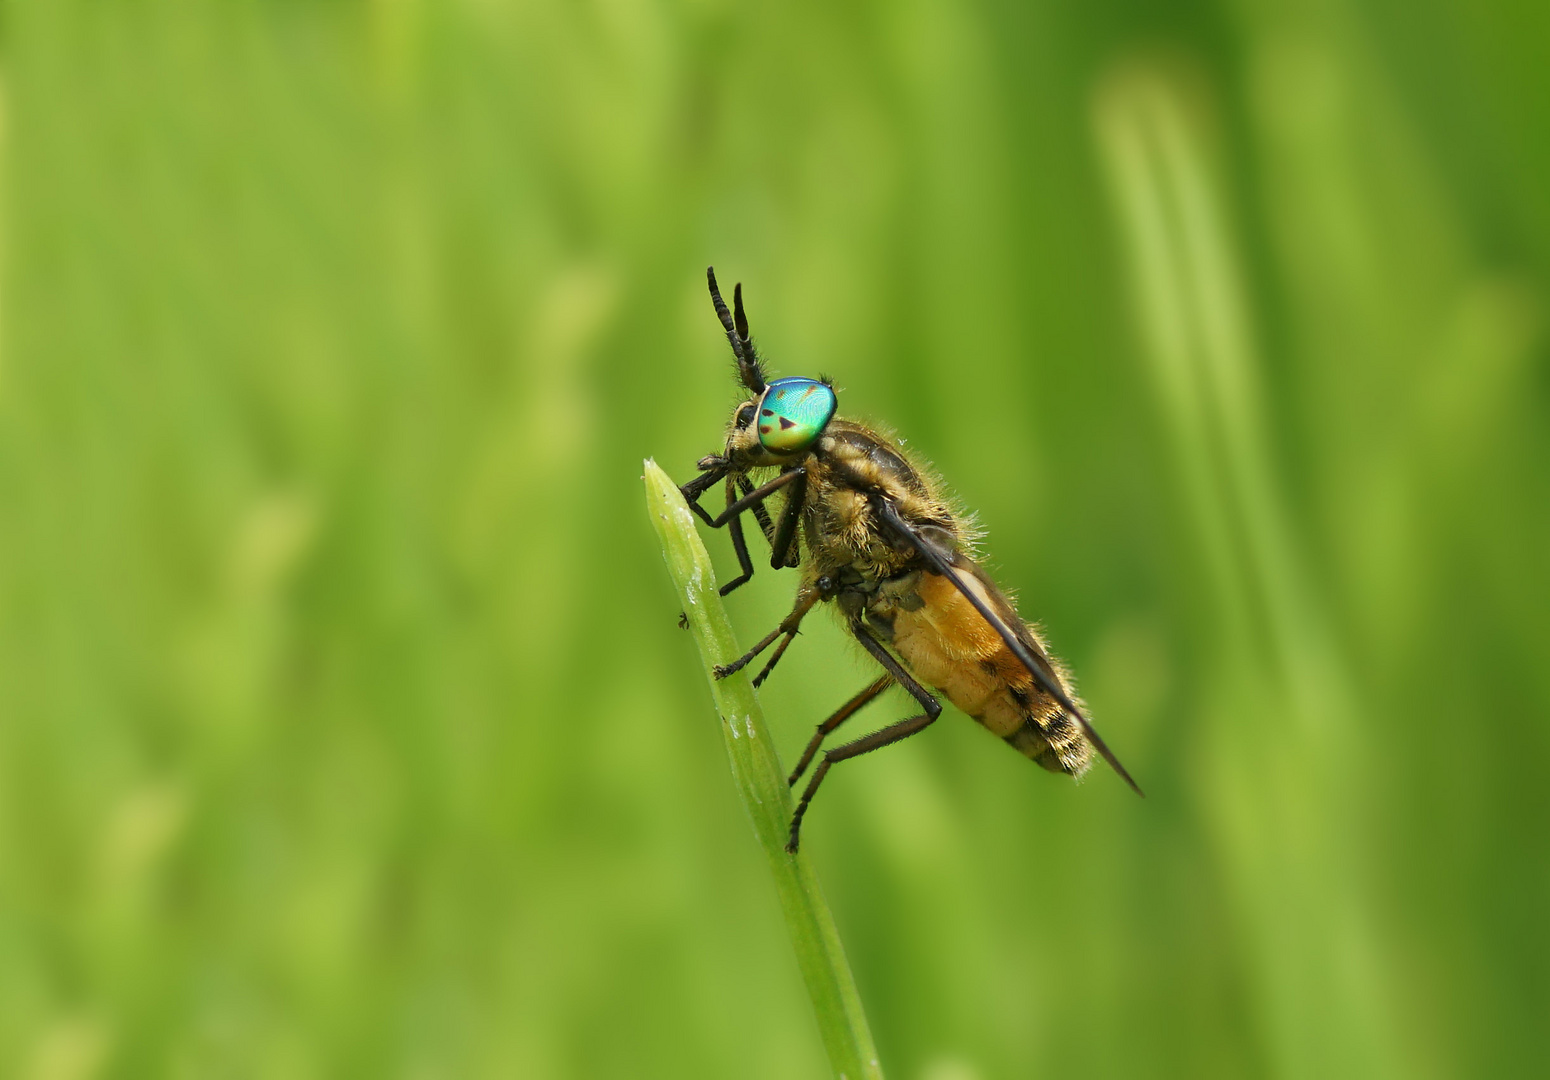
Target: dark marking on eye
x,y
784,424
766,412
764,429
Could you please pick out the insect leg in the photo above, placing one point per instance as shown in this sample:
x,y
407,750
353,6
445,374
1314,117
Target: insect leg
x,y
780,650
806,598
760,512
713,469
794,556
1040,670
739,545
842,714
781,545
756,496
878,739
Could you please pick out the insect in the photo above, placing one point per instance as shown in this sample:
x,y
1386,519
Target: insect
x,y
880,541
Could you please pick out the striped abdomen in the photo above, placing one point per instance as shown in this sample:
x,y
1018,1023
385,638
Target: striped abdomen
x,y
948,645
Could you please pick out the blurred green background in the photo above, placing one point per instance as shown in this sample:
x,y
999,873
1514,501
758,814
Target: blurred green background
x,y
346,727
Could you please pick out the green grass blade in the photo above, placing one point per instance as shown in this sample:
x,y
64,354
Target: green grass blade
x,y
761,782
1286,735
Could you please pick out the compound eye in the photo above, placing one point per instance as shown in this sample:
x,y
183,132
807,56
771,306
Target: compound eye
x,y
745,415
793,413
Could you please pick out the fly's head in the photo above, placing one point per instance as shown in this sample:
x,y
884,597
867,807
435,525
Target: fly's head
x,y
779,424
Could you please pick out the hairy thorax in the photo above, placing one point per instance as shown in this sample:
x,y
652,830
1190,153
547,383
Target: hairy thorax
x,y
852,467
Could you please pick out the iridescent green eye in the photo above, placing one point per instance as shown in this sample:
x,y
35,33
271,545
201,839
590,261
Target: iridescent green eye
x,y
793,413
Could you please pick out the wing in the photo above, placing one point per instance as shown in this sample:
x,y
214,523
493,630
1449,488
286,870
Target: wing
x,y
1010,629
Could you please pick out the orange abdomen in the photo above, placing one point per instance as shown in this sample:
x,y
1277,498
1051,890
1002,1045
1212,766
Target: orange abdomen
x,y
948,645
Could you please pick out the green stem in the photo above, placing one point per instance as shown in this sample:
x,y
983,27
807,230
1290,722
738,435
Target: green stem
x,y
761,782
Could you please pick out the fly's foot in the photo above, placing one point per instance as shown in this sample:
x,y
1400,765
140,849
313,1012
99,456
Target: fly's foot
x,y
721,671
